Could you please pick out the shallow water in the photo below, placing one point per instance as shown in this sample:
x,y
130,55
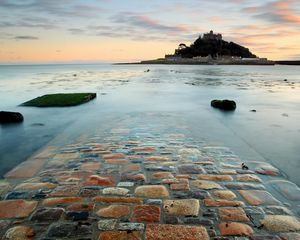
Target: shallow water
x,y
174,94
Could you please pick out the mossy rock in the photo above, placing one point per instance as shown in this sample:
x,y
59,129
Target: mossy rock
x,y
226,105
60,100
11,117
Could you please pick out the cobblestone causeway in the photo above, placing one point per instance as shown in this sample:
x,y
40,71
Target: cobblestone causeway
x,y
146,182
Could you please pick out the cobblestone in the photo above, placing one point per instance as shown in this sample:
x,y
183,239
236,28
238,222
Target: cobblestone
x,y
140,183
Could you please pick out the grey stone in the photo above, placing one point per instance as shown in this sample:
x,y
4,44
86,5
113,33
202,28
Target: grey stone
x,y
190,169
47,214
68,230
125,184
109,224
153,201
131,226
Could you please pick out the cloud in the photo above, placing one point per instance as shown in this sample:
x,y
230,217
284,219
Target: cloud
x,y
26,38
76,30
58,8
278,12
145,22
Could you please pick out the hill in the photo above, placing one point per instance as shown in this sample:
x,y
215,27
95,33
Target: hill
x,y
213,44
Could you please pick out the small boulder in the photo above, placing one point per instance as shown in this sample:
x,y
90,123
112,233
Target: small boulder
x,y
11,117
226,105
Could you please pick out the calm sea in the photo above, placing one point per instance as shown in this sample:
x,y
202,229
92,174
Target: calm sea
x,y
166,93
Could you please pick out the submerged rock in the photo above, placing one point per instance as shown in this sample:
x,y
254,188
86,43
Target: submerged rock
x,y
11,117
227,105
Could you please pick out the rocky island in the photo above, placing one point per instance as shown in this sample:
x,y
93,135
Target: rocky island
x,y
210,48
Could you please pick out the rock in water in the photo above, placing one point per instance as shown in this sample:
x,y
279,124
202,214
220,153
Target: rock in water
x,y
11,117
227,105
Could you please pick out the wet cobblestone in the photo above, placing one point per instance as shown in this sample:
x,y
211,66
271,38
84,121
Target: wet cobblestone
x,y
146,183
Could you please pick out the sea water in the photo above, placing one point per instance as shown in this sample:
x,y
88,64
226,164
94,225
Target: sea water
x,y
180,94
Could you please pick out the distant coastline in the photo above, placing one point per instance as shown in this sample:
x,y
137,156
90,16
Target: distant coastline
x,y
272,63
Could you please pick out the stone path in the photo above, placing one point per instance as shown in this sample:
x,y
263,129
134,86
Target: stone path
x,y
146,182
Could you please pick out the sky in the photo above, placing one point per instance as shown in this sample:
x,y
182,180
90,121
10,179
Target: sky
x,y
74,31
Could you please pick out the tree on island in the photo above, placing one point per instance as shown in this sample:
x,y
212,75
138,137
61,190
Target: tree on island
x,y
213,45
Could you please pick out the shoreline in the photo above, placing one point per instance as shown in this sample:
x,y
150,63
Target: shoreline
x,y
155,62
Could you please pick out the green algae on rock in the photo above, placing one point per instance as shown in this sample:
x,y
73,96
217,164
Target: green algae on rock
x,y
60,100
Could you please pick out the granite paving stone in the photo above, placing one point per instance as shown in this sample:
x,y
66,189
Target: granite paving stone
x,y
235,214
259,197
175,232
235,229
280,223
224,194
16,208
120,235
206,185
145,213
114,211
19,233
184,207
47,214
152,191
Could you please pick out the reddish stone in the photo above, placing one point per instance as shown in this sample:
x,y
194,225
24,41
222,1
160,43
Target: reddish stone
x,y
134,177
114,156
248,178
80,207
259,197
19,233
235,214
118,200
133,142
93,166
116,161
114,211
175,232
224,194
65,190
183,176
162,175
65,176
96,180
101,152
156,158
144,149
180,186
58,201
222,203
215,177
16,208
35,186
146,213
235,229
120,235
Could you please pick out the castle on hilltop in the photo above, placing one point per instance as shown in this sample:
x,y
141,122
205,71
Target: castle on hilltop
x,y
212,36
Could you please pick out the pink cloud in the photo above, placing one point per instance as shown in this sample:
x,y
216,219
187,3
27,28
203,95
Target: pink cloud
x,y
283,10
